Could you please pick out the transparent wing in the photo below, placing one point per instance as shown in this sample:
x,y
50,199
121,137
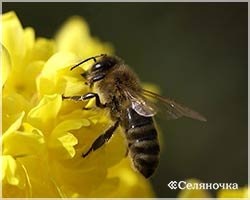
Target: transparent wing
x,y
172,109
140,104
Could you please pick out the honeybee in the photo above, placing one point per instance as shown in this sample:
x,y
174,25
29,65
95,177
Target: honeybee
x,y
118,88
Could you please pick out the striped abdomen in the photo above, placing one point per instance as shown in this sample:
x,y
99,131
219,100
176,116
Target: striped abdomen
x,y
142,143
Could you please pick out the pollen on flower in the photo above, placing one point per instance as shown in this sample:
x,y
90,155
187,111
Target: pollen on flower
x,y
43,136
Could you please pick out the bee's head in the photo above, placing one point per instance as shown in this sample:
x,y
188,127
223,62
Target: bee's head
x,y
99,69
104,64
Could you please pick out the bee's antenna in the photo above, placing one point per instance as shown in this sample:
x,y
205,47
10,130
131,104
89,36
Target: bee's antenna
x,y
94,58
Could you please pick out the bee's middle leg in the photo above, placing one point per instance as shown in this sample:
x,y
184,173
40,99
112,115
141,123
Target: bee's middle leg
x,y
84,97
102,139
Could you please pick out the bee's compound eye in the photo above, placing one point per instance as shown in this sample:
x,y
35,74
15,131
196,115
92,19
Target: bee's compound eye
x,y
103,65
97,66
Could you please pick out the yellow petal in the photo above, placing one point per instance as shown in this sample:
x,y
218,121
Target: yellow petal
x,y
43,49
30,141
108,187
29,39
24,82
32,71
13,105
5,63
74,86
12,172
62,142
118,143
41,178
80,181
75,36
44,114
13,37
131,183
15,126
68,141
51,79
57,62
12,191
8,169
239,193
71,124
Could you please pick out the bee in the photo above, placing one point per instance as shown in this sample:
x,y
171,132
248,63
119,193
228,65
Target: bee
x,y
118,88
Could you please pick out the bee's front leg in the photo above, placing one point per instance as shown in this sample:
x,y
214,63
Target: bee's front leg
x,y
87,96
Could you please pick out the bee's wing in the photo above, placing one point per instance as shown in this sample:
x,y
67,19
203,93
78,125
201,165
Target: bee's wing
x,y
172,109
140,104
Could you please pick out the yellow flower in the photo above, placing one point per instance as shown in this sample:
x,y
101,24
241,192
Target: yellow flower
x,y
43,136
242,192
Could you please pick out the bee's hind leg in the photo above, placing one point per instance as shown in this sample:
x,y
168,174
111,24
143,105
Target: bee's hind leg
x,y
102,139
87,96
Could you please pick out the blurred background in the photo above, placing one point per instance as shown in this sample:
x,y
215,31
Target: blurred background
x,y
197,53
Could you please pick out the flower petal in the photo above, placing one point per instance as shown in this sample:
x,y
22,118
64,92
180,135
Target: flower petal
x,y
62,142
41,178
75,36
42,49
131,183
67,141
13,37
5,63
118,143
12,172
51,79
15,126
80,181
30,141
13,105
31,71
74,86
29,39
57,62
45,112
230,193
